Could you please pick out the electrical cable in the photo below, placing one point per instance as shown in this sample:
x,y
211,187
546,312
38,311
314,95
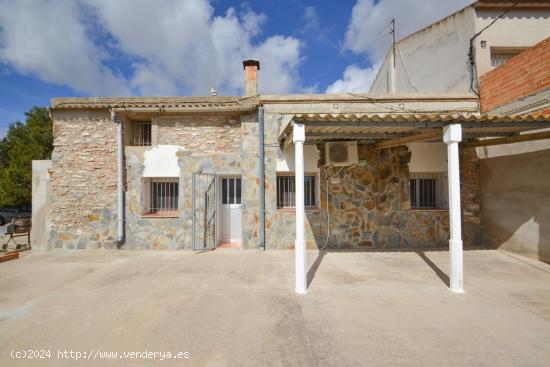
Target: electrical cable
x,y
471,51
405,68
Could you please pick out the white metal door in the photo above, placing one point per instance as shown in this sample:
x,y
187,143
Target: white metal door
x,y
231,210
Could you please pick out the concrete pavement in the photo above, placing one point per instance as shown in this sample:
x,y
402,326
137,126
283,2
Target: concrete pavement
x,y
238,308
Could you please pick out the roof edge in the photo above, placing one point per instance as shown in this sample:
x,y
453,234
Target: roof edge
x,y
364,97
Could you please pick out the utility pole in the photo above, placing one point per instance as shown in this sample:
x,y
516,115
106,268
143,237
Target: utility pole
x,y
393,63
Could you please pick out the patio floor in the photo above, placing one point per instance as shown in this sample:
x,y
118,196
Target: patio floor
x,y
231,307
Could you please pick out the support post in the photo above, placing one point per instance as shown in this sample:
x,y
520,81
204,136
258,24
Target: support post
x,y
262,175
298,138
452,135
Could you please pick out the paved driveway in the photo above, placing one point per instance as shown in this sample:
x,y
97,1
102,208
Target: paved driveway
x,y
237,308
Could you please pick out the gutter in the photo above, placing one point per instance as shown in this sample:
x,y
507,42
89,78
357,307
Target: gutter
x,y
120,179
262,175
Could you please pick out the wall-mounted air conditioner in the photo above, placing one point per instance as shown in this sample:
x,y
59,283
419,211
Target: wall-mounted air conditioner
x,y
341,153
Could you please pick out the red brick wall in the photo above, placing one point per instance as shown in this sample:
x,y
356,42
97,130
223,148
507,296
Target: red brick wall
x,y
523,75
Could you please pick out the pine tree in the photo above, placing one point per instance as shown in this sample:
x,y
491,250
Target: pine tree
x,y
23,143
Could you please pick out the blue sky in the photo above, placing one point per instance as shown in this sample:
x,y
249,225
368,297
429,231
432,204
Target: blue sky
x,y
52,48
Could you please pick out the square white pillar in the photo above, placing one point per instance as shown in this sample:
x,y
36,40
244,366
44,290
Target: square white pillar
x,y
298,138
452,135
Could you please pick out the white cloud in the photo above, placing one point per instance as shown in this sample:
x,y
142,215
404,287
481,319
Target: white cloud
x,y
311,19
47,39
370,20
171,46
354,80
368,33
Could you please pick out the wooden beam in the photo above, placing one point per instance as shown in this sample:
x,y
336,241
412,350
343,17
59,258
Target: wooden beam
x,y
417,138
418,124
431,124
508,140
499,134
353,136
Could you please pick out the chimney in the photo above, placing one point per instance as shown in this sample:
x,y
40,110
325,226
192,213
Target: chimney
x,y
251,68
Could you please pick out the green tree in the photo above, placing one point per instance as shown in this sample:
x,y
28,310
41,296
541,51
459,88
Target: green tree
x,y
23,143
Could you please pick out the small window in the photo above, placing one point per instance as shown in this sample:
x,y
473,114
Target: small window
x,y
428,191
160,196
140,133
231,190
286,191
501,56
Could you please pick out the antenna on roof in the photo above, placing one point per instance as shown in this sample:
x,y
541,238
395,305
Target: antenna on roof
x,y
392,86
213,91
392,31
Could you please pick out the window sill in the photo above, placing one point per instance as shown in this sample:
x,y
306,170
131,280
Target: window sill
x,y
428,210
293,210
161,215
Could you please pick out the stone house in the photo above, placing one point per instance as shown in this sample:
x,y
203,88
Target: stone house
x,y
346,171
191,170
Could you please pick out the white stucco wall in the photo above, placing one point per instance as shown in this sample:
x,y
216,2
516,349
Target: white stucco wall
x,y
311,158
161,161
40,231
435,59
519,28
428,157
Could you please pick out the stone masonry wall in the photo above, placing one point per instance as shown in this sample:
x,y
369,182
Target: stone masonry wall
x,y
211,144
82,195
370,206
200,134
84,178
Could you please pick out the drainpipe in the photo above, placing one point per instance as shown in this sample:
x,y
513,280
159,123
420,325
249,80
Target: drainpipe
x,y
262,176
120,173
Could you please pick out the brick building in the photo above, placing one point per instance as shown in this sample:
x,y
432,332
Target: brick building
x,y
520,85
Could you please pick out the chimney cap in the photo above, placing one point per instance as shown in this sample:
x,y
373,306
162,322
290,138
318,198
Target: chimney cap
x,y
251,63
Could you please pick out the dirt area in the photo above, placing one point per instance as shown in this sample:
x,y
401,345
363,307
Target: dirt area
x,y
238,308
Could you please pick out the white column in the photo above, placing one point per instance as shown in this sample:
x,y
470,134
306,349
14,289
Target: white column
x,y
452,135
298,137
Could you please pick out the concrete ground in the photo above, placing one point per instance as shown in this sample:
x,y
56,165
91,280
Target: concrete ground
x,y
237,308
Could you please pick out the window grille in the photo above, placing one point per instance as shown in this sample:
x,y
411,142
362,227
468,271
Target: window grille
x,y
499,57
141,133
428,191
286,191
160,195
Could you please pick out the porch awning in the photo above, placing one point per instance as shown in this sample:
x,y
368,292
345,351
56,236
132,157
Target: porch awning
x,y
374,128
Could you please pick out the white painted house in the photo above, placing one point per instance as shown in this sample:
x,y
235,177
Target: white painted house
x,y
436,58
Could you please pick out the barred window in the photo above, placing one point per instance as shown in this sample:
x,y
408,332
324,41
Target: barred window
x,y
286,191
428,191
501,55
160,195
140,133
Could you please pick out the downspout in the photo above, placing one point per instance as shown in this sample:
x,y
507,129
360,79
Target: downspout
x,y
120,173
262,175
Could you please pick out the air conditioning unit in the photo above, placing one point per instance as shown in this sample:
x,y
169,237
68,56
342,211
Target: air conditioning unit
x,y
341,153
